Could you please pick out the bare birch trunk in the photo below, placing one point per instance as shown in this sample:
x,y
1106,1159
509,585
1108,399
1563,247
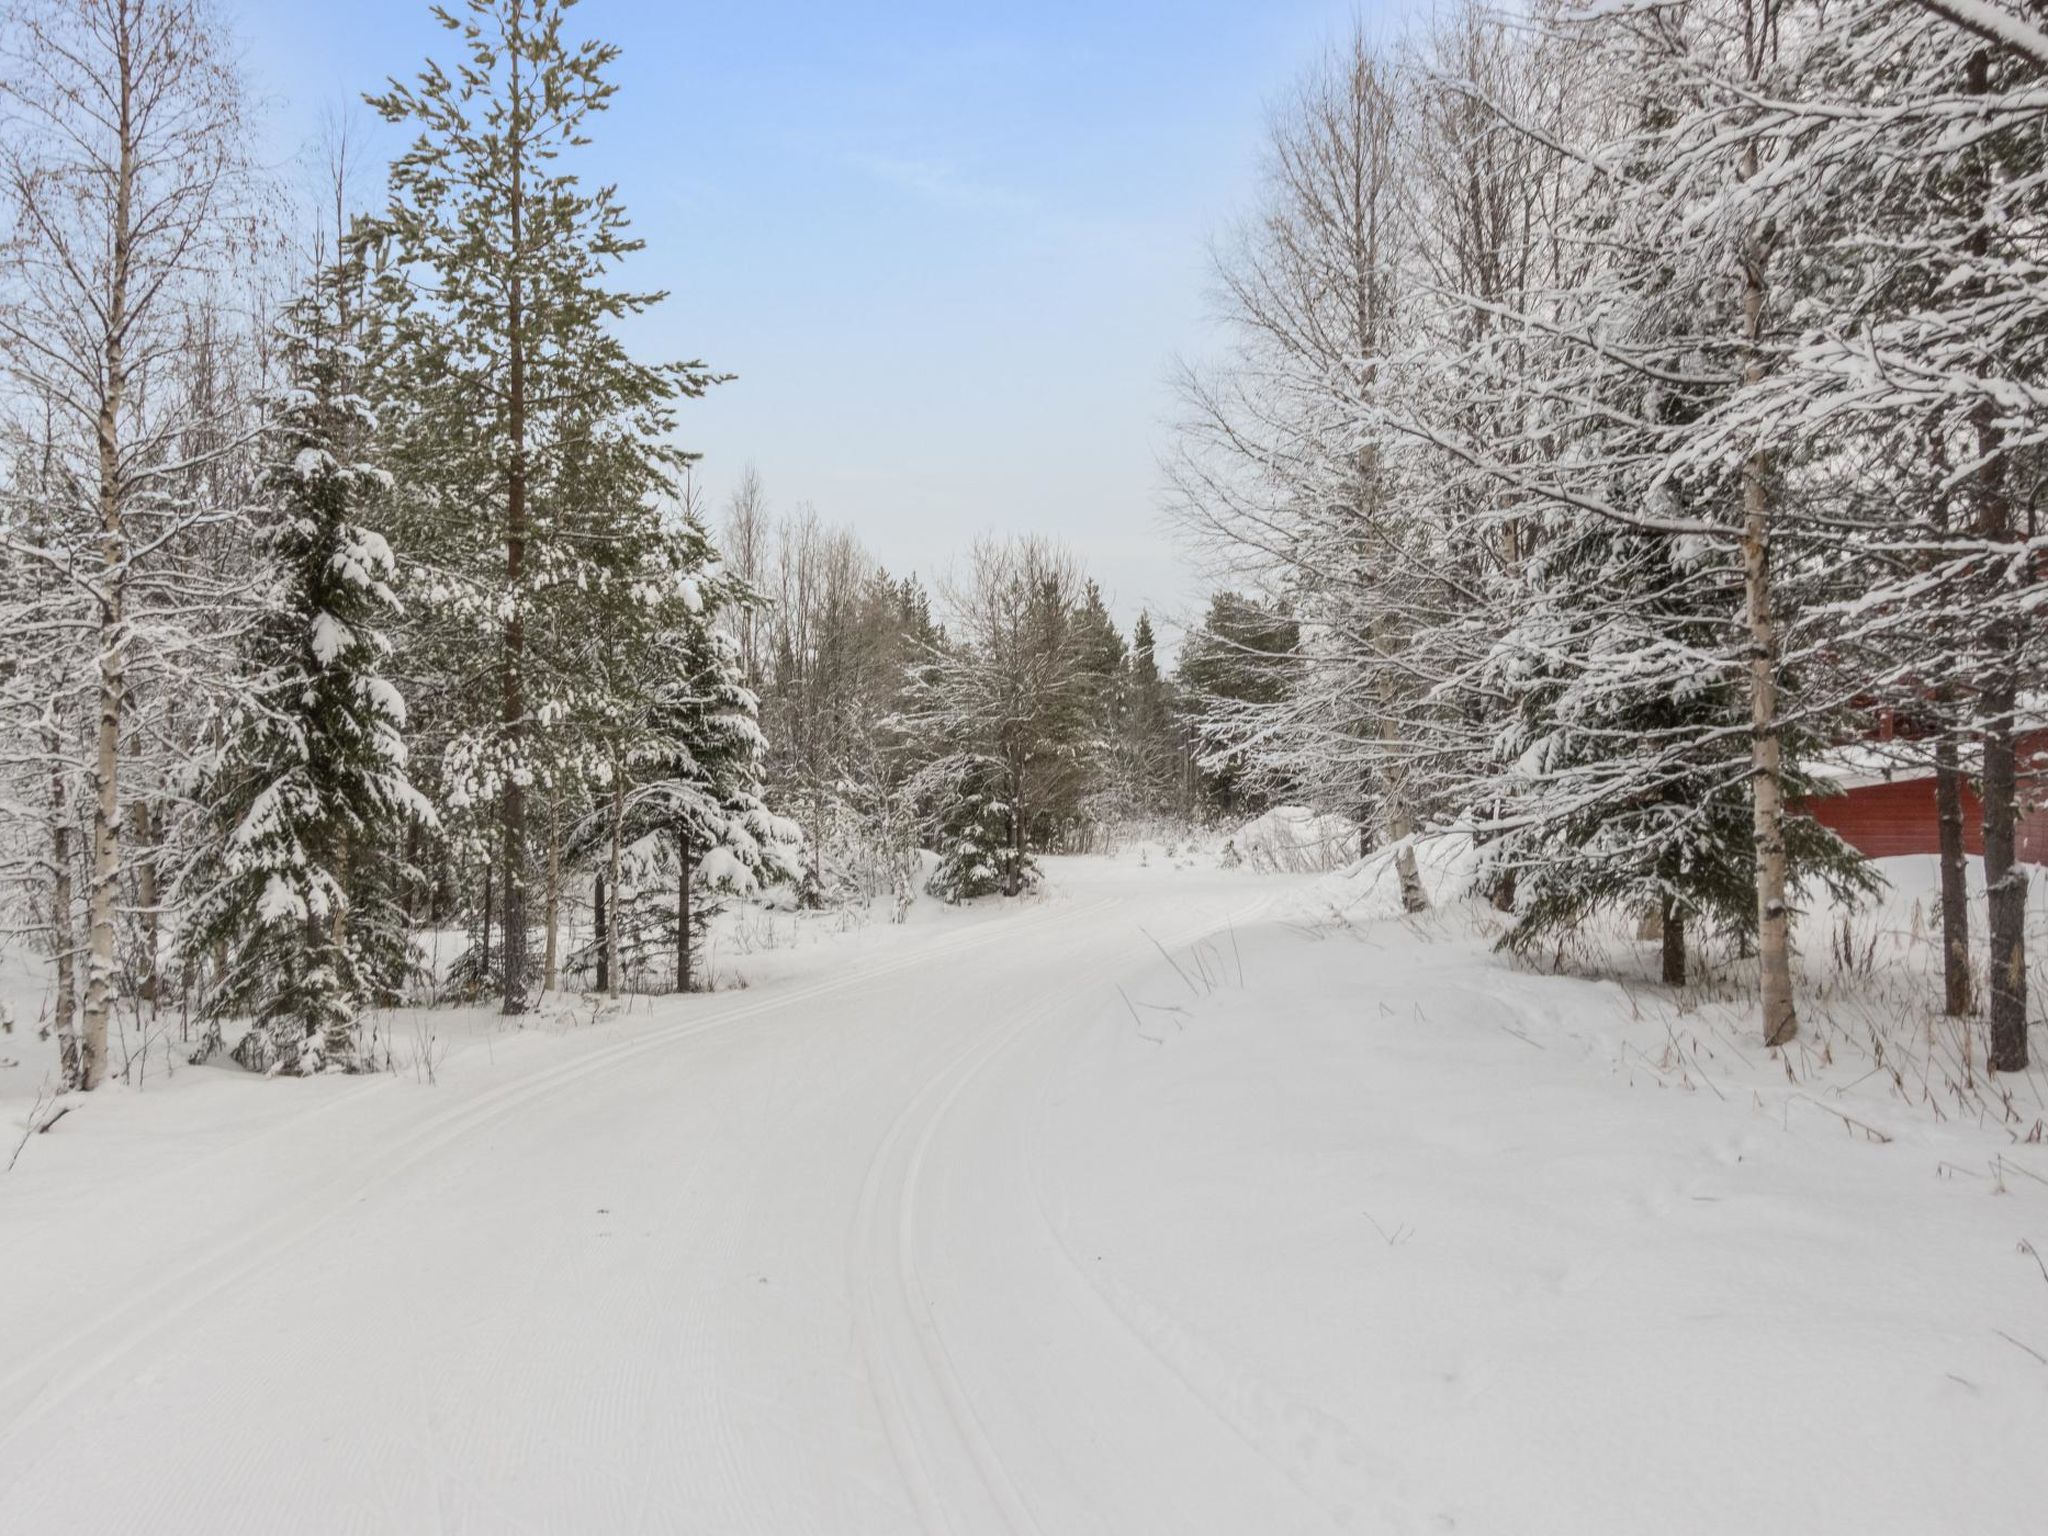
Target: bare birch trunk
x,y
113,637
1958,985
1400,820
63,930
1767,764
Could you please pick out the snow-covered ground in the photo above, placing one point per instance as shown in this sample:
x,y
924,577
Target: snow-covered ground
x,y
1181,1201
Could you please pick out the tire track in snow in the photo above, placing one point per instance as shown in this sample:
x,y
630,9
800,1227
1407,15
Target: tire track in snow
x,y
1252,1411
956,1479
148,1312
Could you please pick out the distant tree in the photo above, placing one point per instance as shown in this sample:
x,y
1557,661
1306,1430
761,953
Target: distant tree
x,y
1235,668
1007,699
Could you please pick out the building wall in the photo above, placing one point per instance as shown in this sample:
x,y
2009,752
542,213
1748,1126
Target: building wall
x,y
1898,817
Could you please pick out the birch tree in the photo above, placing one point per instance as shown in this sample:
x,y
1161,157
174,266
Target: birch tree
x,y
123,169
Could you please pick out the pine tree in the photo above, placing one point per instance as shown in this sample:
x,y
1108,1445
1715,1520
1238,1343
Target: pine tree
x,y
310,792
499,310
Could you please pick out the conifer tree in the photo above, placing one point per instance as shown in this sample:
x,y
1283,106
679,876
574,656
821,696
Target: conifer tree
x,y
310,794
691,808
498,303
1008,702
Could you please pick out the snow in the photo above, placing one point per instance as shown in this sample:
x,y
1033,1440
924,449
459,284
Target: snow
x,y
1292,839
1182,1200
330,638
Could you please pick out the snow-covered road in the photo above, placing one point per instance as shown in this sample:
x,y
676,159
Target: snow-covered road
x,y
1035,1220
770,1261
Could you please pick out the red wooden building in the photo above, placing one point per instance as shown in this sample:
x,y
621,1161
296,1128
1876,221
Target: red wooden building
x,y
1887,802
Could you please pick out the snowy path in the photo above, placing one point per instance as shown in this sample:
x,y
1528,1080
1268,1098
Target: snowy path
x,y
934,1231
768,1263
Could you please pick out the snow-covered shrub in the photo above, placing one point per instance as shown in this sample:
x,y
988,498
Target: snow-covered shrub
x,y
967,821
1291,839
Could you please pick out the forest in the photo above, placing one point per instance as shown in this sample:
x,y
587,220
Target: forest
x,y
570,962
1624,407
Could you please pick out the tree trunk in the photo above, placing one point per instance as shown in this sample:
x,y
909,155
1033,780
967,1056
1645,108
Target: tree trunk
x,y
1013,880
601,932
552,914
2005,884
1767,768
612,978
63,933
1958,985
684,866
148,895
483,975
412,884
338,1036
113,636
2005,880
1671,920
818,843
1394,797
512,702
1401,828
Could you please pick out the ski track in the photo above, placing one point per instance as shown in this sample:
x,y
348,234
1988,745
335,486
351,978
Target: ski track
x,y
957,1479
974,1439
147,1311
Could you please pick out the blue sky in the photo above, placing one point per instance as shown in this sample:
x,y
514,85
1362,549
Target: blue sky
x,y
950,249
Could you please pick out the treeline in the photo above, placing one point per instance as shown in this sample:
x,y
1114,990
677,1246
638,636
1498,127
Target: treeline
x,y
351,585
1005,714
1628,404
353,589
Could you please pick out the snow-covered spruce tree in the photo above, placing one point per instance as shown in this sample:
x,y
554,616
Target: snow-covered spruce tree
x,y
506,333
1005,686
966,817
308,790
694,805
1626,785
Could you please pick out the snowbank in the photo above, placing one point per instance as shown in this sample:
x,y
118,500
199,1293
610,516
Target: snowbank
x,y
1291,839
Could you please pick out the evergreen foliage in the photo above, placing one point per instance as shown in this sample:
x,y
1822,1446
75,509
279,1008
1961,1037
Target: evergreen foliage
x,y
310,794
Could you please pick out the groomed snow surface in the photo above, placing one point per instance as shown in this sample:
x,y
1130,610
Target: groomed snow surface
x,y
1180,1201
